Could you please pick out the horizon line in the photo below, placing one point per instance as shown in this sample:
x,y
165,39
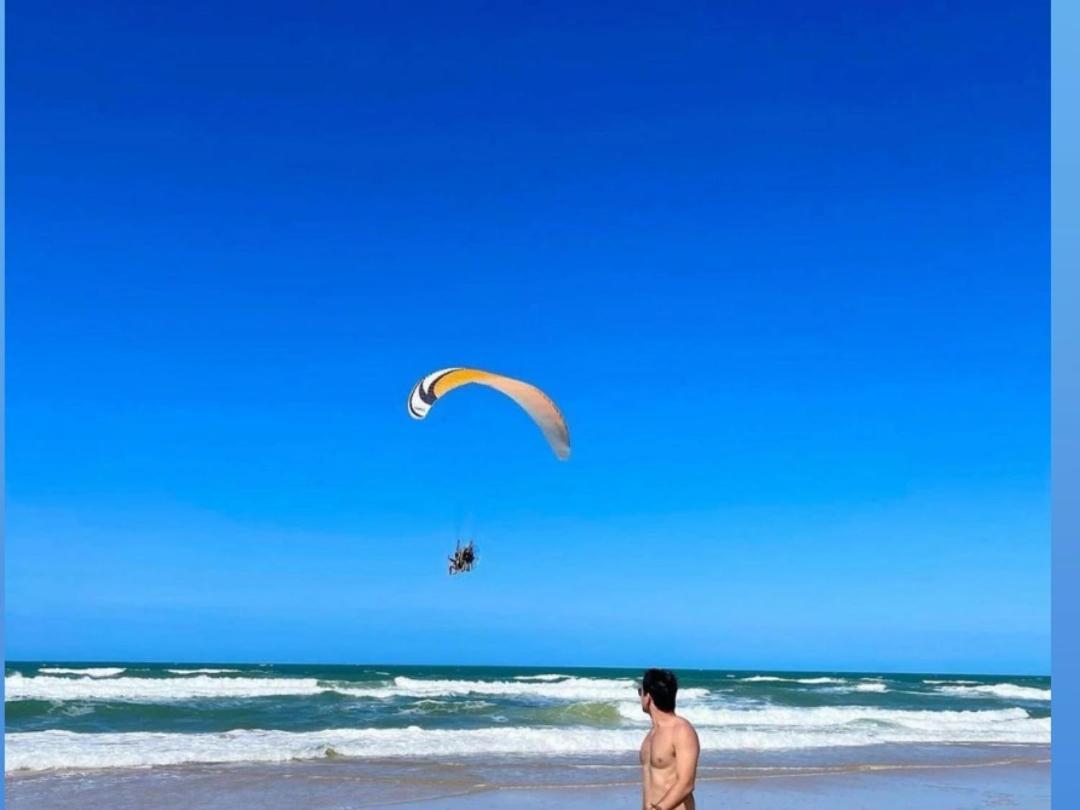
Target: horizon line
x,y
368,664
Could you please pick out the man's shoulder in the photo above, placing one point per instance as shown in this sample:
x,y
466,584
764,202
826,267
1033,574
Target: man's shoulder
x,y
684,726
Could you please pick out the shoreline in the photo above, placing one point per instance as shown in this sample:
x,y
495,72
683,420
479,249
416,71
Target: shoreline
x,y
973,777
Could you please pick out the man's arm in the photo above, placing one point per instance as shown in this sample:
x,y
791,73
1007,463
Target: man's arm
x,y
646,782
687,750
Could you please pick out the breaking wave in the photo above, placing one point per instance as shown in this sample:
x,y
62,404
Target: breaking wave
x,y
189,687
759,731
778,679
1006,691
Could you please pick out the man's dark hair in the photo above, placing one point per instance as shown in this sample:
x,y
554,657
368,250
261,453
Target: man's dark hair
x,y
662,685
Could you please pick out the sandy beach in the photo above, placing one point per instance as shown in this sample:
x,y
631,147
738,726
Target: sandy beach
x,y
976,777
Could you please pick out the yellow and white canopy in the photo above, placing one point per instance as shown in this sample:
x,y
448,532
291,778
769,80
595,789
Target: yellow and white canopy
x,y
531,399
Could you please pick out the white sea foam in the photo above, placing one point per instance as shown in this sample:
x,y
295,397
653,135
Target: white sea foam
x,y
1007,691
763,679
840,718
803,728
569,689
89,672
871,686
152,690
855,688
548,677
191,687
104,683
433,706
777,679
77,710
953,682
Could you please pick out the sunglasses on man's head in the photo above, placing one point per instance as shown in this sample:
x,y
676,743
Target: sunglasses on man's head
x,y
640,690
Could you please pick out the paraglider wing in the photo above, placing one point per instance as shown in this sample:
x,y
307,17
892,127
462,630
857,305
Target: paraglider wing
x,y
532,400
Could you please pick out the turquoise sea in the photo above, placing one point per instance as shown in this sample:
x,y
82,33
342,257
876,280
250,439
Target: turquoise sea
x,y
121,715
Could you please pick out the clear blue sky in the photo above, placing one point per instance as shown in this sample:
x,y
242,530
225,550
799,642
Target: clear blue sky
x,y
783,267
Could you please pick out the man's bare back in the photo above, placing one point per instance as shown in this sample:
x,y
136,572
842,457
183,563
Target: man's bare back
x,y
669,753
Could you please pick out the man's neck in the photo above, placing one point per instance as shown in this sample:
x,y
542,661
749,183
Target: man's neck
x,y
659,717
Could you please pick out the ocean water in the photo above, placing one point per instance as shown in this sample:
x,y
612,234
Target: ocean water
x,y
116,715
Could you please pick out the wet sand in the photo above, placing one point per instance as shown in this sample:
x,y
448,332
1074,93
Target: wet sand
x,y
973,778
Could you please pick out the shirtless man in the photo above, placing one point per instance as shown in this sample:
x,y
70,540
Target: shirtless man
x,y
669,754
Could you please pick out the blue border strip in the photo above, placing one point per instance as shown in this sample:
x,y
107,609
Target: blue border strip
x,y
1065,395
3,358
